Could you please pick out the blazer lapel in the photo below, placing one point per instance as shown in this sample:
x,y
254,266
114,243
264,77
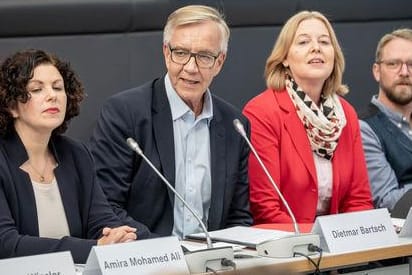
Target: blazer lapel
x,y
297,133
65,176
27,218
218,169
67,193
163,133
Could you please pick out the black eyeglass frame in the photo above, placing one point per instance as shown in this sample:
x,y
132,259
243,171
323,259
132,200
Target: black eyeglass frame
x,y
195,55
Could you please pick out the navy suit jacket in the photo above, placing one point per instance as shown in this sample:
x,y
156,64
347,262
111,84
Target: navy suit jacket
x,y
85,205
136,193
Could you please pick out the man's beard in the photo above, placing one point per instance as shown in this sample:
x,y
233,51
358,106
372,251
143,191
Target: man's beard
x,y
399,95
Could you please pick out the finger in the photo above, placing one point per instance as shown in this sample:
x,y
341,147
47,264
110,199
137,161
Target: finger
x,y
131,229
116,235
127,228
128,237
102,241
106,231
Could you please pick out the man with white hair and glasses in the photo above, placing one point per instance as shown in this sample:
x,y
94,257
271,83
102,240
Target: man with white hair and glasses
x,y
185,130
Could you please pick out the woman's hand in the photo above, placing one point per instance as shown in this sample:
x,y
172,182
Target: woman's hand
x,y
119,234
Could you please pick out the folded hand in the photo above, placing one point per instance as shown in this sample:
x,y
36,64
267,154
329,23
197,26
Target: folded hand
x,y
119,234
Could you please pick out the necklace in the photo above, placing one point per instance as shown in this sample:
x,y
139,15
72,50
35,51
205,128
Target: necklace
x,y
41,175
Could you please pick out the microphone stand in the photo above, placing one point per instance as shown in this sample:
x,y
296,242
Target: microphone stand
x,y
197,261
287,246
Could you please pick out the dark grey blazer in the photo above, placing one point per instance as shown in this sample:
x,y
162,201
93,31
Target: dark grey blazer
x,y
85,205
136,193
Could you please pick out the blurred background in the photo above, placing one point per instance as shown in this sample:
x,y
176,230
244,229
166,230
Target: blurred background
x,y
117,44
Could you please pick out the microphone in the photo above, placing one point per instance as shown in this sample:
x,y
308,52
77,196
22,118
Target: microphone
x,y
201,260
286,246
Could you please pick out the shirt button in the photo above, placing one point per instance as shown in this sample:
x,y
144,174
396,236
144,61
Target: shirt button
x,y
399,125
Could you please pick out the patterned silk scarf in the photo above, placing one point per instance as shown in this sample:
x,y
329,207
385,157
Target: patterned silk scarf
x,y
323,124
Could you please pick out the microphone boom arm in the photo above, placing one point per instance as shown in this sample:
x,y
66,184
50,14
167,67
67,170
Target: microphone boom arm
x,y
135,147
201,260
239,127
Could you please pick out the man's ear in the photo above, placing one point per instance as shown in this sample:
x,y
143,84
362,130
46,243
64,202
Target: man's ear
x,y
219,63
376,71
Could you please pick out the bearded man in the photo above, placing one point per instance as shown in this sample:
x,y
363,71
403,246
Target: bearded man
x,y
386,127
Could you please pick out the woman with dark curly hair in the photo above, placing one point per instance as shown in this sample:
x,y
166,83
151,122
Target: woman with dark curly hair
x,y
49,200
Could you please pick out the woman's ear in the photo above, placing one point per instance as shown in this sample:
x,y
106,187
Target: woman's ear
x,y
13,112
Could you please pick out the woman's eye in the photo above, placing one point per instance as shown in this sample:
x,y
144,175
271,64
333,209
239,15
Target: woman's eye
x,y
35,90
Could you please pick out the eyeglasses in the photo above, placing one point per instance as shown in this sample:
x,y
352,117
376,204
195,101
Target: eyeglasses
x,y
396,64
182,57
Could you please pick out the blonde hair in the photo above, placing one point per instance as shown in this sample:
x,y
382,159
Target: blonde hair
x,y
195,14
399,33
276,72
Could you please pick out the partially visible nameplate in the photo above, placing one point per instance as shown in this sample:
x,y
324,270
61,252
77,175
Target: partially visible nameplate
x,y
355,230
406,230
153,256
59,263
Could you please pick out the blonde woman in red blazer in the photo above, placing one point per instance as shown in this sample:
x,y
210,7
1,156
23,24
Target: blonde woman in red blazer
x,y
305,133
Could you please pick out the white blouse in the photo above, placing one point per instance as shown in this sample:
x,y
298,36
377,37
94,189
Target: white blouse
x,y
324,174
50,211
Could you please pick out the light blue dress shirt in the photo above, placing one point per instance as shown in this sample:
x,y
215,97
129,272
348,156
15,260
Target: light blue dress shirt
x,y
192,158
384,184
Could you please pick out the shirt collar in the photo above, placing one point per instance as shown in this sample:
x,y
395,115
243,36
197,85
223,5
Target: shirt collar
x,y
179,108
392,115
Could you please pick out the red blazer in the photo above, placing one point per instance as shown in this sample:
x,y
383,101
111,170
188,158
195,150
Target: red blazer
x,y
281,142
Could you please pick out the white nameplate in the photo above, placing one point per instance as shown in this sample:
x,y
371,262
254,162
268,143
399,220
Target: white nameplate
x,y
153,256
406,230
60,263
355,230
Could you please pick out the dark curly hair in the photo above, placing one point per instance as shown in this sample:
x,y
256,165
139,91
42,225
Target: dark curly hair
x,y
17,70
